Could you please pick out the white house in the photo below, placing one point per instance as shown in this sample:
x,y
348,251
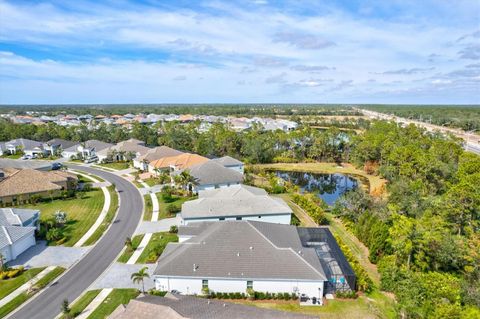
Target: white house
x,y
28,147
141,162
238,202
129,149
230,162
17,231
212,175
85,150
236,256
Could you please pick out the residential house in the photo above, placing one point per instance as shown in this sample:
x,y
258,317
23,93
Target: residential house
x,y
238,256
21,185
210,175
176,306
17,231
57,145
85,150
176,163
230,162
3,149
238,202
141,162
28,147
122,151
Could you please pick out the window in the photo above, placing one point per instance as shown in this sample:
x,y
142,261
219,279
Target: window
x,y
259,216
222,218
249,284
204,284
239,218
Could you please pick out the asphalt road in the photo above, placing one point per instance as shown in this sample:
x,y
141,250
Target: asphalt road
x,y
89,268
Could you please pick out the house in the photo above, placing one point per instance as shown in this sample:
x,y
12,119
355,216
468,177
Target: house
x,y
176,163
3,149
238,202
230,162
154,154
21,185
238,256
122,151
28,147
211,175
7,163
176,306
56,145
85,150
17,231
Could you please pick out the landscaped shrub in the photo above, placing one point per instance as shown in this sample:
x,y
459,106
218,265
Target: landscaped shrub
x,y
11,273
313,205
173,229
172,209
346,294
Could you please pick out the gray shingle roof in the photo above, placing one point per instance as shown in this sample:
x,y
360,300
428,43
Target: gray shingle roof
x,y
240,190
131,145
239,249
26,144
11,234
21,164
227,161
64,144
179,306
16,216
98,145
234,201
158,153
210,173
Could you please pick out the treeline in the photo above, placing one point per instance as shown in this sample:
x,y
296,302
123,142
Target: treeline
x,y
457,116
205,109
253,146
424,235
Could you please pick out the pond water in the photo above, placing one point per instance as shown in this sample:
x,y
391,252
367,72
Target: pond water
x,y
328,187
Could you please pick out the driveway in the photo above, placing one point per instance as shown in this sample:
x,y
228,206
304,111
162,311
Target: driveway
x,y
78,278
118,276
42,255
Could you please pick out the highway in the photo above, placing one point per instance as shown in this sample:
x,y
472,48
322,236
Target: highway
x,y
91,266
472,141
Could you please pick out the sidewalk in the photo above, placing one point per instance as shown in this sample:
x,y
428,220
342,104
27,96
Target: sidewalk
x,y
103,213
26,286
95,303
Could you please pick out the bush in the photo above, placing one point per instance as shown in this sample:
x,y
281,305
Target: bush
x,y
313,205
172,209
346,294
173,229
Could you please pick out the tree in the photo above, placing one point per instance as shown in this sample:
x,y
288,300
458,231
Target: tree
x,y
138,277
66,311
129,244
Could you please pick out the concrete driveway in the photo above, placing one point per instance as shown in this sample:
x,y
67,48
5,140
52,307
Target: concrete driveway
x,y
118,276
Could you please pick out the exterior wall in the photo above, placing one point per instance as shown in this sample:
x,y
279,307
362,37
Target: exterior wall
x,y
138,164
23,244
6,253
69,154
192,286
278,219
21,198
198,188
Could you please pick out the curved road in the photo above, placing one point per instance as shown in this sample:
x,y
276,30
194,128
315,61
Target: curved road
x,y
91,266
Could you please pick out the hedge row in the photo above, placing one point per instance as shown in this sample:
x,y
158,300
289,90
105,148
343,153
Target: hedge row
x,y
256,295
312,205
364,282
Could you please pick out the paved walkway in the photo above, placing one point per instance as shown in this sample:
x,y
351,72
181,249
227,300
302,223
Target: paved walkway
x,y
95,303
150,189
158,226
42,255
141,247
26,286
103,213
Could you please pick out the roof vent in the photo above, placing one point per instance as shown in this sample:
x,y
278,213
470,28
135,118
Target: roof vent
x,y
195,267
251,247
208,302
238,254
224,304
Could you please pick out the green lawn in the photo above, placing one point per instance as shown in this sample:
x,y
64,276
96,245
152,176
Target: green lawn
x,y
82,212
13,156
163,205
108,219
151,181
7,286
155,247
116,165
147,215
83,302
136,183
361,308
113,300
20,299
127,254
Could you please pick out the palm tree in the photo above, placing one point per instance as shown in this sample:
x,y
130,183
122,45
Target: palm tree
x,y
139,276
187,180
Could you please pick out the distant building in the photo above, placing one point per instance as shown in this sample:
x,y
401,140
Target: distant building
x,y
122,151
154,154
238,202
28,147
57,145
17,231
85,150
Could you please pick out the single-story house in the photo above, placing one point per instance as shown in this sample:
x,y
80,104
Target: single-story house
x,y
211,175
176,306
230,162
3,149
176,163
21,185
17,231
85,150
28,147
238,202
122,151
57,145
238,256
154,154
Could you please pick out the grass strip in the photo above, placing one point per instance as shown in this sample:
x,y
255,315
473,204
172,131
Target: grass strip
x,y
7,286
136,240
116,298
148,208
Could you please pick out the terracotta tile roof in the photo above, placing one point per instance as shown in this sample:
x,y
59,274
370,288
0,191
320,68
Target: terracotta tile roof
x,y
182,161
28,181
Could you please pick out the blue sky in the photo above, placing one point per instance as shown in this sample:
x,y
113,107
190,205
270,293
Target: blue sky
x,y
258,51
